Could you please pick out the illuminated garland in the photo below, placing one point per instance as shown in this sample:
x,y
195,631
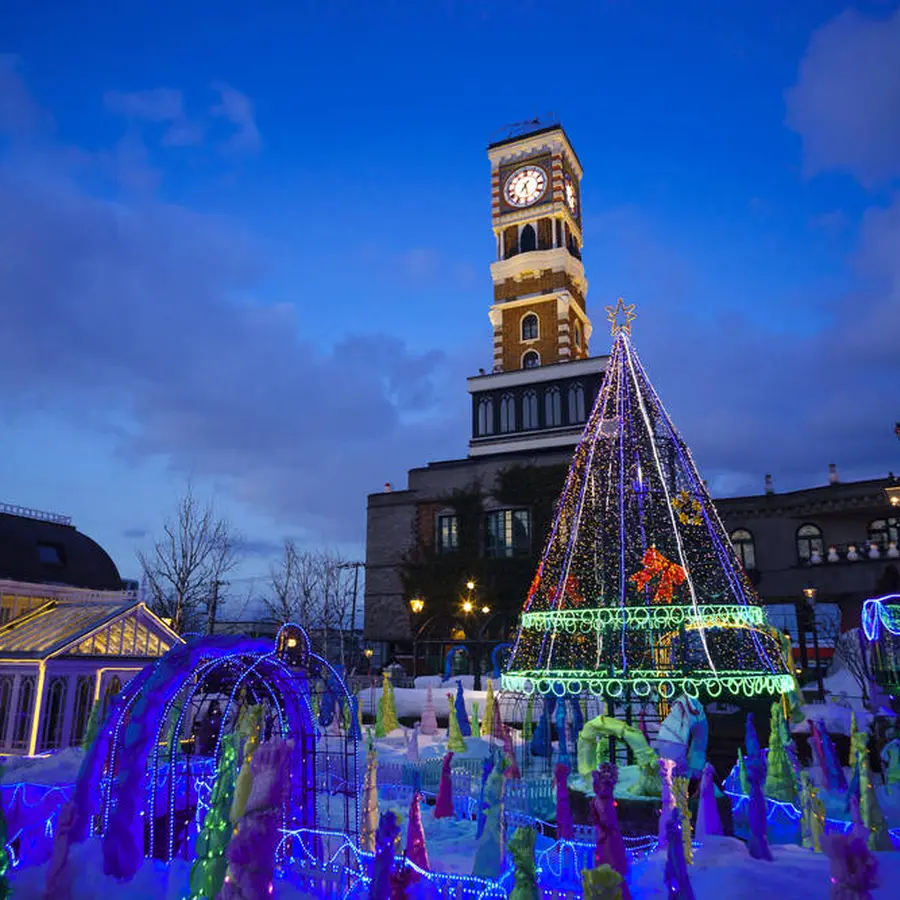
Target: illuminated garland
x,y
639,589
881,612
661,617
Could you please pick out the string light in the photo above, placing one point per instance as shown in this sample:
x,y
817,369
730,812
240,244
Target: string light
x,y
881,611
639,590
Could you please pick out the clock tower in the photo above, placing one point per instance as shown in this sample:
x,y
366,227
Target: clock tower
x,y
538,314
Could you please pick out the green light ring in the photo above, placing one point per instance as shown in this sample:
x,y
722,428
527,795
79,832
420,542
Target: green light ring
x,y
558,688
664,616
642,618
750,685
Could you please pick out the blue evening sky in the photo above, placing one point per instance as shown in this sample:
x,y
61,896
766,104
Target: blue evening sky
x,y
249,244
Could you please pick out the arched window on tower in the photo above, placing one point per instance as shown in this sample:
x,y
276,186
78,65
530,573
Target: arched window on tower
x,y
576,403
529,409
744,547
531,359
485,416
529,327
510,241
552,407
527,239
809,540
507,413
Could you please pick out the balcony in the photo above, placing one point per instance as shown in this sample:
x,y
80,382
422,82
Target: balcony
x,y
854,554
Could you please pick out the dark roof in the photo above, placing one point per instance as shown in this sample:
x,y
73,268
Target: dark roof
x,y
525,135
48,552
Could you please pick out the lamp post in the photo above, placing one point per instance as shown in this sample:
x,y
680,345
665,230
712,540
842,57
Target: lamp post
x,y
809,593
469,606
416,606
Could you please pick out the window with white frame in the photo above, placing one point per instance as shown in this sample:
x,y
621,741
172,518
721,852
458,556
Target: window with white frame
x,y
447,533
507,413
809,541
552,407
744,547
485,416
576,403
530,327
529,410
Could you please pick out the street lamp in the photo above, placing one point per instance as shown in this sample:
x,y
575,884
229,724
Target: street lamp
x,y
417,604
809,593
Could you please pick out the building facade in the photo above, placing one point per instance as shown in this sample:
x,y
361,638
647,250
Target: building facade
x,y
71,633
449,558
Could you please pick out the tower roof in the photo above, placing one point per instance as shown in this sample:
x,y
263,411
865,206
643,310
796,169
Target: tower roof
x,y
639,587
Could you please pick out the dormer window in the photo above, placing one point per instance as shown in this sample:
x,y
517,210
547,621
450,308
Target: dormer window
x,y
50,554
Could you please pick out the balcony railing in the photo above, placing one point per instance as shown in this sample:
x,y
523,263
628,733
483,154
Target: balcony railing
x,y
854,553
26,512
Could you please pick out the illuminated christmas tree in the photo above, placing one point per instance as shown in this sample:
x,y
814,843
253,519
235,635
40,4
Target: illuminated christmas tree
x,y
639,590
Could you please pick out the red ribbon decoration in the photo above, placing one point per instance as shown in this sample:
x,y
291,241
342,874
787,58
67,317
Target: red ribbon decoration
x,y
658,566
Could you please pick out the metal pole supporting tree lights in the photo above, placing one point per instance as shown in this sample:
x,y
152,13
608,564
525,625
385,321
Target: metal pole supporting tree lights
x,y
416,605
809,592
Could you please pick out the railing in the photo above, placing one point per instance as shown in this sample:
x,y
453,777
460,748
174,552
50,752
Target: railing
x,y
853,552
26,512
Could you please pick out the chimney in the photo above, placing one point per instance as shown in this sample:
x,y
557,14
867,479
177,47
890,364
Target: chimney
x,y
833,477
481,371
770,486
387,487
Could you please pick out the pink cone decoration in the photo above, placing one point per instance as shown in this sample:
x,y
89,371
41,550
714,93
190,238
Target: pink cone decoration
x,y
416,851
708,820
564,828
610,844
443,807
497,729
513,770
666,773
758,845
428,723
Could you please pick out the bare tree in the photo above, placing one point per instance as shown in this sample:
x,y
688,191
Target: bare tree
x,y
851,653
186,568
307,587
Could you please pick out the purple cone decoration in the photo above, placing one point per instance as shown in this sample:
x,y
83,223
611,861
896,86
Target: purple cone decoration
x,y
854,870
383,864
751,741
834,772
564,828
818,751
708,820
465,727
758,845
610,847
443,807
428,723
486,765
541,744
678,883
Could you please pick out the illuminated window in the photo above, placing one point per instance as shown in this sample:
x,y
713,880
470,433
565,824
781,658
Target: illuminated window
x,y
529,409
530,327
552,407
84,693
508,532
507,413
6,687
809,539
531,360
54,713
447,535
24,712
744,547
485,416
576,404
882,531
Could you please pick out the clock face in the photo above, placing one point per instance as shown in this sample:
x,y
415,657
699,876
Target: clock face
x,y
571,196
525,186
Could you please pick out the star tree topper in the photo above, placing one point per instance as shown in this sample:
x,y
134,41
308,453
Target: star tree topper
x,y
620,317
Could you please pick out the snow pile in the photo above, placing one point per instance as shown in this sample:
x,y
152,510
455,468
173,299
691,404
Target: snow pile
x,y
57,768
724,869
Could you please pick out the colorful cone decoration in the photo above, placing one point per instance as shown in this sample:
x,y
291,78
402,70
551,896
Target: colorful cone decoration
x,y
455,740
383,864
412,749
565,830
388,706
443,807
462,717
525,881
428,724
610,845
487,720
637,545
488,862
416,851
369,817
708,819
678,882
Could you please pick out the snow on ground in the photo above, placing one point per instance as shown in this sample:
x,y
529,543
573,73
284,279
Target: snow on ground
x,y
724,869
57,768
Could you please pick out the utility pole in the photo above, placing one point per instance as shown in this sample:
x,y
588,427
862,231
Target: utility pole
x,y
213,606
